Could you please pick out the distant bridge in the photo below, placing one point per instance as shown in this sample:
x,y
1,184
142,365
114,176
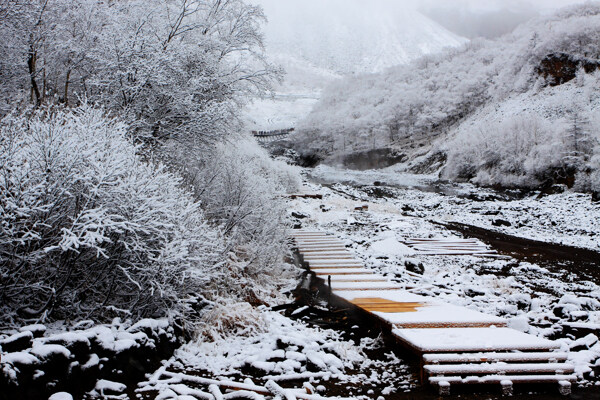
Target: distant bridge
x,y
270,136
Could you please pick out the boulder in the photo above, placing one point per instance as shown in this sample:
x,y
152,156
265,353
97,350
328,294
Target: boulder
x,y
17,342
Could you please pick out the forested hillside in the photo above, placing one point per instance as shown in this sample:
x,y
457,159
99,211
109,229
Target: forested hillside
x,y
517,111
126,187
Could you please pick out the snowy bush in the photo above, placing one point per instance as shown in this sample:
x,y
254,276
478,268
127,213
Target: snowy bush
x,y
241,189
518,152
88,229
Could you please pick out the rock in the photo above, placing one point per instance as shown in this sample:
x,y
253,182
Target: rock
x,y
76,343
108,388
501,222
560,68
299,215
596,196
414,266
471,292
492,212
38,330
560,312
18,342
61,396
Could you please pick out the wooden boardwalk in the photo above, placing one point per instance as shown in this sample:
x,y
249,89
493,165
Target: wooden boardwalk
x,y
305,193
456,345
450,247
270,136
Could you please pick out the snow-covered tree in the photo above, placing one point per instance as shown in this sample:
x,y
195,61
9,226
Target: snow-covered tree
x,y
175,68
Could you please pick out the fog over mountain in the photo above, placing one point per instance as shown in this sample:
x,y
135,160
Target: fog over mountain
x,y
351,36
317,42
489,18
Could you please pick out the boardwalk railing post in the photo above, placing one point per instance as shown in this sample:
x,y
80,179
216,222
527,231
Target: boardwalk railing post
x,y
329,295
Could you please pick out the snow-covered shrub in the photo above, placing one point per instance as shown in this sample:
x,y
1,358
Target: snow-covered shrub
x,y
241,188
231,318
523,151
88,229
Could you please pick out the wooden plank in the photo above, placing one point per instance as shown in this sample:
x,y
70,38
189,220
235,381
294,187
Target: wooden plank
x,y
382,305
328,247
362,278
497,368
327,257
320,243
344,273
442,240
347,271
329,253
321,257
497,379
311,235
340,250
356,279
333,263
449,325
321,250
472,340
316,265
493,357
294,196
336,285
369,289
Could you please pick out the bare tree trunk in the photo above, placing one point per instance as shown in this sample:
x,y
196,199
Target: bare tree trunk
x,y
32,67
32,59
68,78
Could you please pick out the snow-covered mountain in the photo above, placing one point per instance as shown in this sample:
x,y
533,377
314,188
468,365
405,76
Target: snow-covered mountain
x,y
319,41
520,110
352,36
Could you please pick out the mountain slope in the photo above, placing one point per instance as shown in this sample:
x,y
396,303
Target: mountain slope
x,y
319,41
520,110
352,36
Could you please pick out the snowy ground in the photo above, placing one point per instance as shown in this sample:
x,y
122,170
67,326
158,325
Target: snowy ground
x,y
313,349
546,303
567,218
289,347
288,352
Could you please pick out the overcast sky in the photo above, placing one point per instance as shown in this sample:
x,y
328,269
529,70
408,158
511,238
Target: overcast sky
x,y
487,18
468,18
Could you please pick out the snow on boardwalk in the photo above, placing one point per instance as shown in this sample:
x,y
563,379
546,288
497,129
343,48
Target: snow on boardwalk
x,y
457,345
450,247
